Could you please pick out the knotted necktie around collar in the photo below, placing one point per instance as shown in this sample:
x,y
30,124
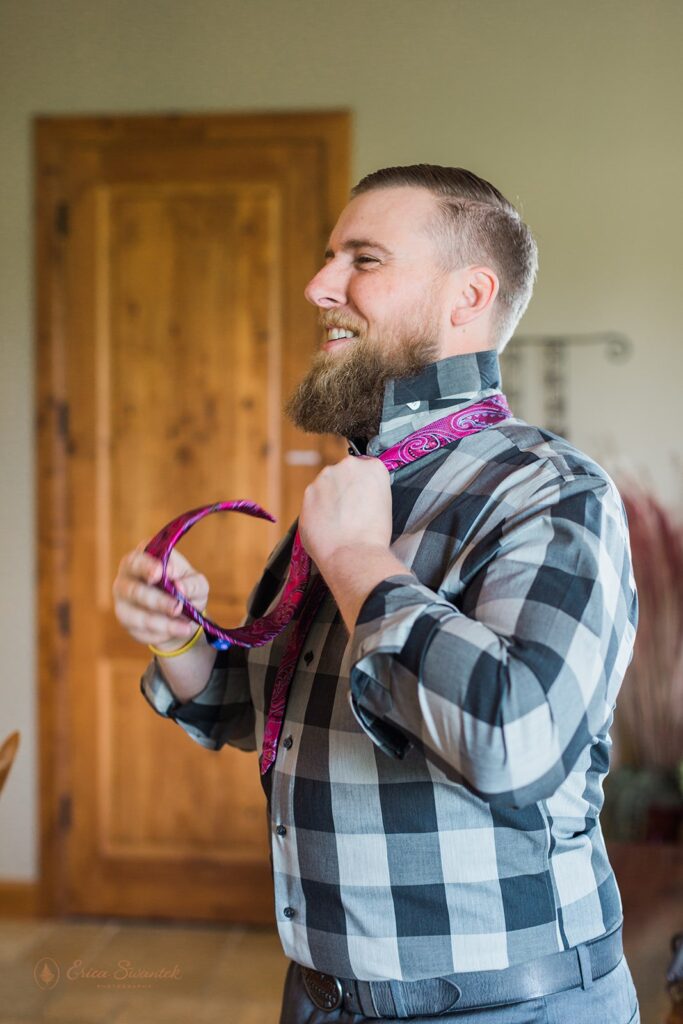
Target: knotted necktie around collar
x,y
453,427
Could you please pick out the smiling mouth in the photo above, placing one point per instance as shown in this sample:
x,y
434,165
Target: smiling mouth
x,y
339,333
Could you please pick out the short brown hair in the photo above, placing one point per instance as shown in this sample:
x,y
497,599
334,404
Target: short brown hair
x,y
475,224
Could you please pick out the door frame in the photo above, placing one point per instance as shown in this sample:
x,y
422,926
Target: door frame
x,y
53,138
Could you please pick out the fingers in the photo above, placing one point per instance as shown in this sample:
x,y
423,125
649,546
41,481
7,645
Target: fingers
x,y
195,588
178,566
153,628
147,612
140,565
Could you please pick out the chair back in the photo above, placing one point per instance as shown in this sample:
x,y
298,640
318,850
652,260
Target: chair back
x,y
8,751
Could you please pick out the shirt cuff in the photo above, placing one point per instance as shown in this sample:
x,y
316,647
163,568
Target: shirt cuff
x,y
222,712
157,692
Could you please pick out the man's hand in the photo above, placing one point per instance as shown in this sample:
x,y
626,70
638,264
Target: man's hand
x,y
347,504
153,617
345,526
150,615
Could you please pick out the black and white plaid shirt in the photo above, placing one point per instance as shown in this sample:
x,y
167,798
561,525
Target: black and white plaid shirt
x,y
434,803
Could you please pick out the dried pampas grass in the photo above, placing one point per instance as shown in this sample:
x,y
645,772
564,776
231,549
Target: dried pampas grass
x,y
650,707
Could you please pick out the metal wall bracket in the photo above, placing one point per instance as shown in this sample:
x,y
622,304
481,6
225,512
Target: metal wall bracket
x,y
555,350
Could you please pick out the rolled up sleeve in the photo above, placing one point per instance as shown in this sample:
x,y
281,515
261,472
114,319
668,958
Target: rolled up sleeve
x,y
504,685
221,713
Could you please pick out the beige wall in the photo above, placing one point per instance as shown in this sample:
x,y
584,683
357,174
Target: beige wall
x,y
571,107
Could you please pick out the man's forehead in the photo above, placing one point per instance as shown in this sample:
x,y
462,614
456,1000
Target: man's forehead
x,y
389,217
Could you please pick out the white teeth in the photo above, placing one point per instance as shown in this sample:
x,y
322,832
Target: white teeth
x,y
335,333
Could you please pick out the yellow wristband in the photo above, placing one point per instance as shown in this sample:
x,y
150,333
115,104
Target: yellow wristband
x,y
181,650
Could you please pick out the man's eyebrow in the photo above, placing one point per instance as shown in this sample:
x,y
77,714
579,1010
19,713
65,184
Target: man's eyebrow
x,y
351,244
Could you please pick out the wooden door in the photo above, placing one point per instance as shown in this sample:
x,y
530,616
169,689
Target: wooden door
x,y
172,253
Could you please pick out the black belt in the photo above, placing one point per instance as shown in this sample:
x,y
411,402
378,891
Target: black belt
x,y
557,972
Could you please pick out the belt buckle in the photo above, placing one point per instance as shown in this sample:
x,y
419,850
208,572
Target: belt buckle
x,y
324,989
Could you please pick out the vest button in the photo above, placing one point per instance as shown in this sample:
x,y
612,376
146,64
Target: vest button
x,y
287,742
289,912
281,830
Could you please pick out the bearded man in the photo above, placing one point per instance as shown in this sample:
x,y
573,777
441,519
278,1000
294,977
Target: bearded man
x,y
434,797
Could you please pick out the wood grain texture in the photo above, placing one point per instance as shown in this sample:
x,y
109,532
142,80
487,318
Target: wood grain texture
x,y
20,899
171,257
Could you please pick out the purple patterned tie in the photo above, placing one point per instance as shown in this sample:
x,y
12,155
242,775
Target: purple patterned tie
x,y
469,420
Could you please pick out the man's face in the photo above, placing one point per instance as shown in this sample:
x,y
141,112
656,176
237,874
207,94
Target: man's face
x,y
382,310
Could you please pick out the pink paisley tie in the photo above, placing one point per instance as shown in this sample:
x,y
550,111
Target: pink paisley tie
x,y
466,421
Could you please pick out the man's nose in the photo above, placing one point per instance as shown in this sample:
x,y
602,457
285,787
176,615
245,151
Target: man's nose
x,y
328,288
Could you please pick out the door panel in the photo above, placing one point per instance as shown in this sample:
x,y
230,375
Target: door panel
x,y
193,298
172,256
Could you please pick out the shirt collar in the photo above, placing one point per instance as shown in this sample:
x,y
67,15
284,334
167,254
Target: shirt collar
x,y
412,403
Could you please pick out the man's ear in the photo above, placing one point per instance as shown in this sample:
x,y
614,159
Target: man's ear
x,y
477,288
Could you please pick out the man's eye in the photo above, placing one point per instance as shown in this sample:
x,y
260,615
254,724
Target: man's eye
x,y
366,259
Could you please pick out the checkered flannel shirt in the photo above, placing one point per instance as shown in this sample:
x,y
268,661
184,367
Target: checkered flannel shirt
x,y
434,803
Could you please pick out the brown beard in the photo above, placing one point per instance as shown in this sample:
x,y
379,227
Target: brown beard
x,y
343,392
